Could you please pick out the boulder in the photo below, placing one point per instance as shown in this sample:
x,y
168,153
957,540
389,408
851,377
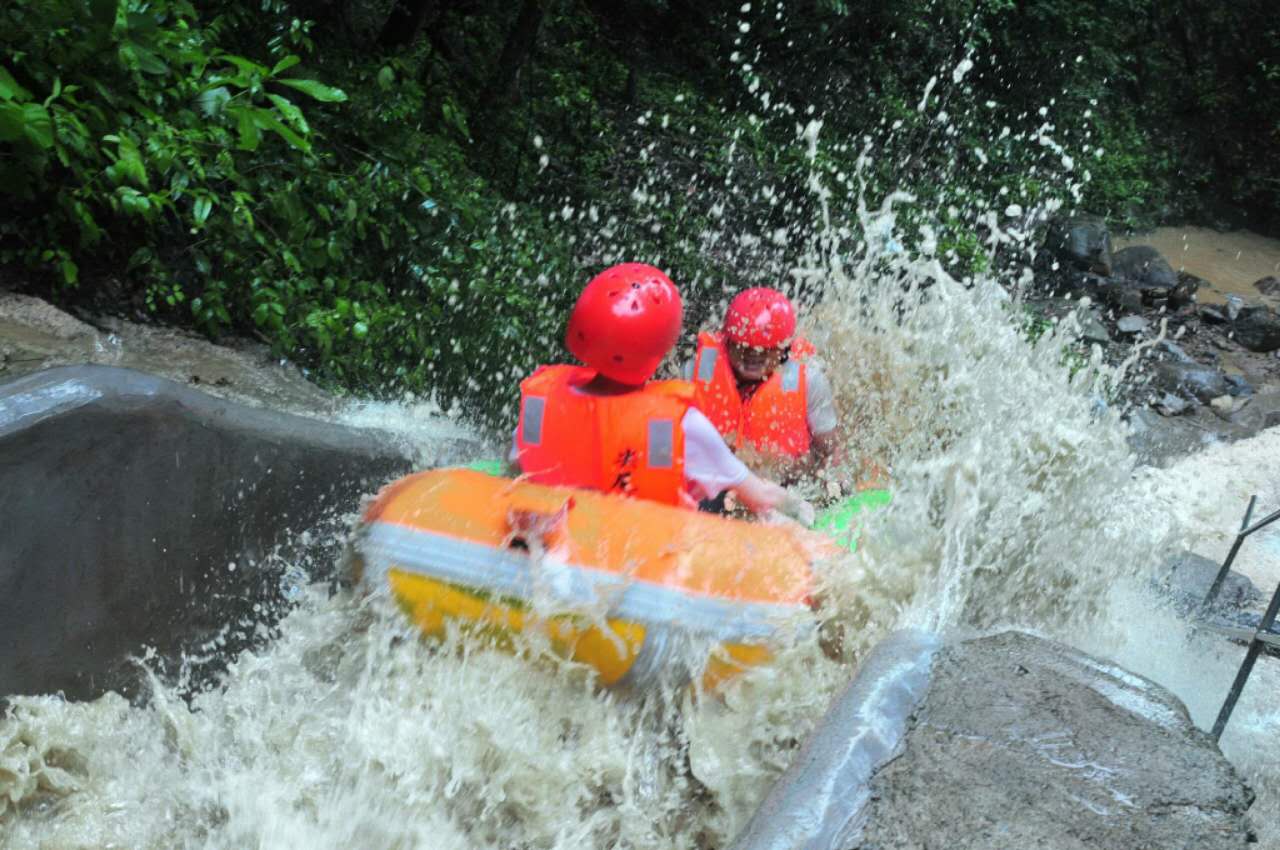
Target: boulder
x,y
1132,325
1257,328
1171,405
1204,383
1120,294
1176,351
1185,292
1212,315
1144,266
1186,577
1093,330
139,512
1081,242
1269,285
1010,741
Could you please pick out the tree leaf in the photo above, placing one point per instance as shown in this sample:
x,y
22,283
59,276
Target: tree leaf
x,y
70,272
250,135
386,78
203,207
285,64
130,161
321,92
267,121
291,112
12,121
9,87
245,65
148,62
140,23
37,125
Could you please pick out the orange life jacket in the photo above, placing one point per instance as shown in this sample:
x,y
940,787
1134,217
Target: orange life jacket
x,y
631,443
774,419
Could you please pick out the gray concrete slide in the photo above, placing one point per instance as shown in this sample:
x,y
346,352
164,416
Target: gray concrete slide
x,y
125,498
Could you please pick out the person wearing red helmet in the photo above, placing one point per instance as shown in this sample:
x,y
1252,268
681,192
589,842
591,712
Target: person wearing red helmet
x,y
605,426
760,385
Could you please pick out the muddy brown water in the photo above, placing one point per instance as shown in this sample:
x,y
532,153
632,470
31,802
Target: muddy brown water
x,y
1231,262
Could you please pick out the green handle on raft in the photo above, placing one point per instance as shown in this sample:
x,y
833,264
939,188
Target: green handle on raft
x,y
835,521
489,466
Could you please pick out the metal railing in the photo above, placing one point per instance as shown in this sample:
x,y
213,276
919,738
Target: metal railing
x,y
1263,636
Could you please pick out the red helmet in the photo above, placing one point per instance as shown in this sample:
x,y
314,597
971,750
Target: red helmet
x,y
761,317
625,322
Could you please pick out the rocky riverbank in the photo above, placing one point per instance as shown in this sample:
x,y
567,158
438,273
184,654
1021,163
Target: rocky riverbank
x,y
1205,353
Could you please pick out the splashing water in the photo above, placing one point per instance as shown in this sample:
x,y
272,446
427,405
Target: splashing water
x,y
1016,503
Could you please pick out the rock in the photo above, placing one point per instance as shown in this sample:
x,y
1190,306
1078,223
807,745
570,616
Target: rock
x,y
1262,411
1224,405
1171,405
131,494
1234,304
1081,242
1119,294
1092,330
1257,329
1132,325
1144,266
1188,576
1202,382
1016,742
1185,292
33,313
1238,386
1213,315
1269,285
1176,350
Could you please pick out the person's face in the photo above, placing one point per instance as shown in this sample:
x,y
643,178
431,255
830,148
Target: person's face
x,y
751,363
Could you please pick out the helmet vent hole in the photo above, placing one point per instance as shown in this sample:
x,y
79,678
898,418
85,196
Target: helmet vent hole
x,y
635,305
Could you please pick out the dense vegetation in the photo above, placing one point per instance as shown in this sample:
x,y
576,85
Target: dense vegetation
x,y
407,195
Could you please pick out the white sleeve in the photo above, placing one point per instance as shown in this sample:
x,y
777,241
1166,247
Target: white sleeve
x,y
710,467
819,400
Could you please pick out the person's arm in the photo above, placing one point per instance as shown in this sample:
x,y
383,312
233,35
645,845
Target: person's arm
x,y
713,468
764,497
826,446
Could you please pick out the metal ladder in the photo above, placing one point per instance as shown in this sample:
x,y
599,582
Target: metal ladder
x,y
1262,639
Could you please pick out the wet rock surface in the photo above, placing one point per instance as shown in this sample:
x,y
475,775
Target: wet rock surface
x,y
1021,742
35,335
1187,577
139,512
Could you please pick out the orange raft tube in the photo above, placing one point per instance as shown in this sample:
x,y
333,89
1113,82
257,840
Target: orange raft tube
x,y
621,584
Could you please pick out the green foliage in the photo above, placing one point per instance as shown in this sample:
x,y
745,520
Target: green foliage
x,y
420,215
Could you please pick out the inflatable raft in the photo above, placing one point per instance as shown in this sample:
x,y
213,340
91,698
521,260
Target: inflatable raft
x,y
626,586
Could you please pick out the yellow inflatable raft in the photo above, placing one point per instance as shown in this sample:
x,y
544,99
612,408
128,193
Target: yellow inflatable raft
x,y
621,584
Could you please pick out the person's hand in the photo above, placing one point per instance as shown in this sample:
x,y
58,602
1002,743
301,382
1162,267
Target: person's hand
x,y
799,510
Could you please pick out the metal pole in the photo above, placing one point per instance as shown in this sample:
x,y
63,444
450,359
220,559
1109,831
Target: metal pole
x,y
1246,666
1231,556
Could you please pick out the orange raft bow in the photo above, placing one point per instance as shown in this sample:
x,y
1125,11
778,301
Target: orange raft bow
x,y
629,583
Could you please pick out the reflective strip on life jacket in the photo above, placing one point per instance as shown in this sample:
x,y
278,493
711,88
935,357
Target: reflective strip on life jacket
x,y
774,419
631,443
531,412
